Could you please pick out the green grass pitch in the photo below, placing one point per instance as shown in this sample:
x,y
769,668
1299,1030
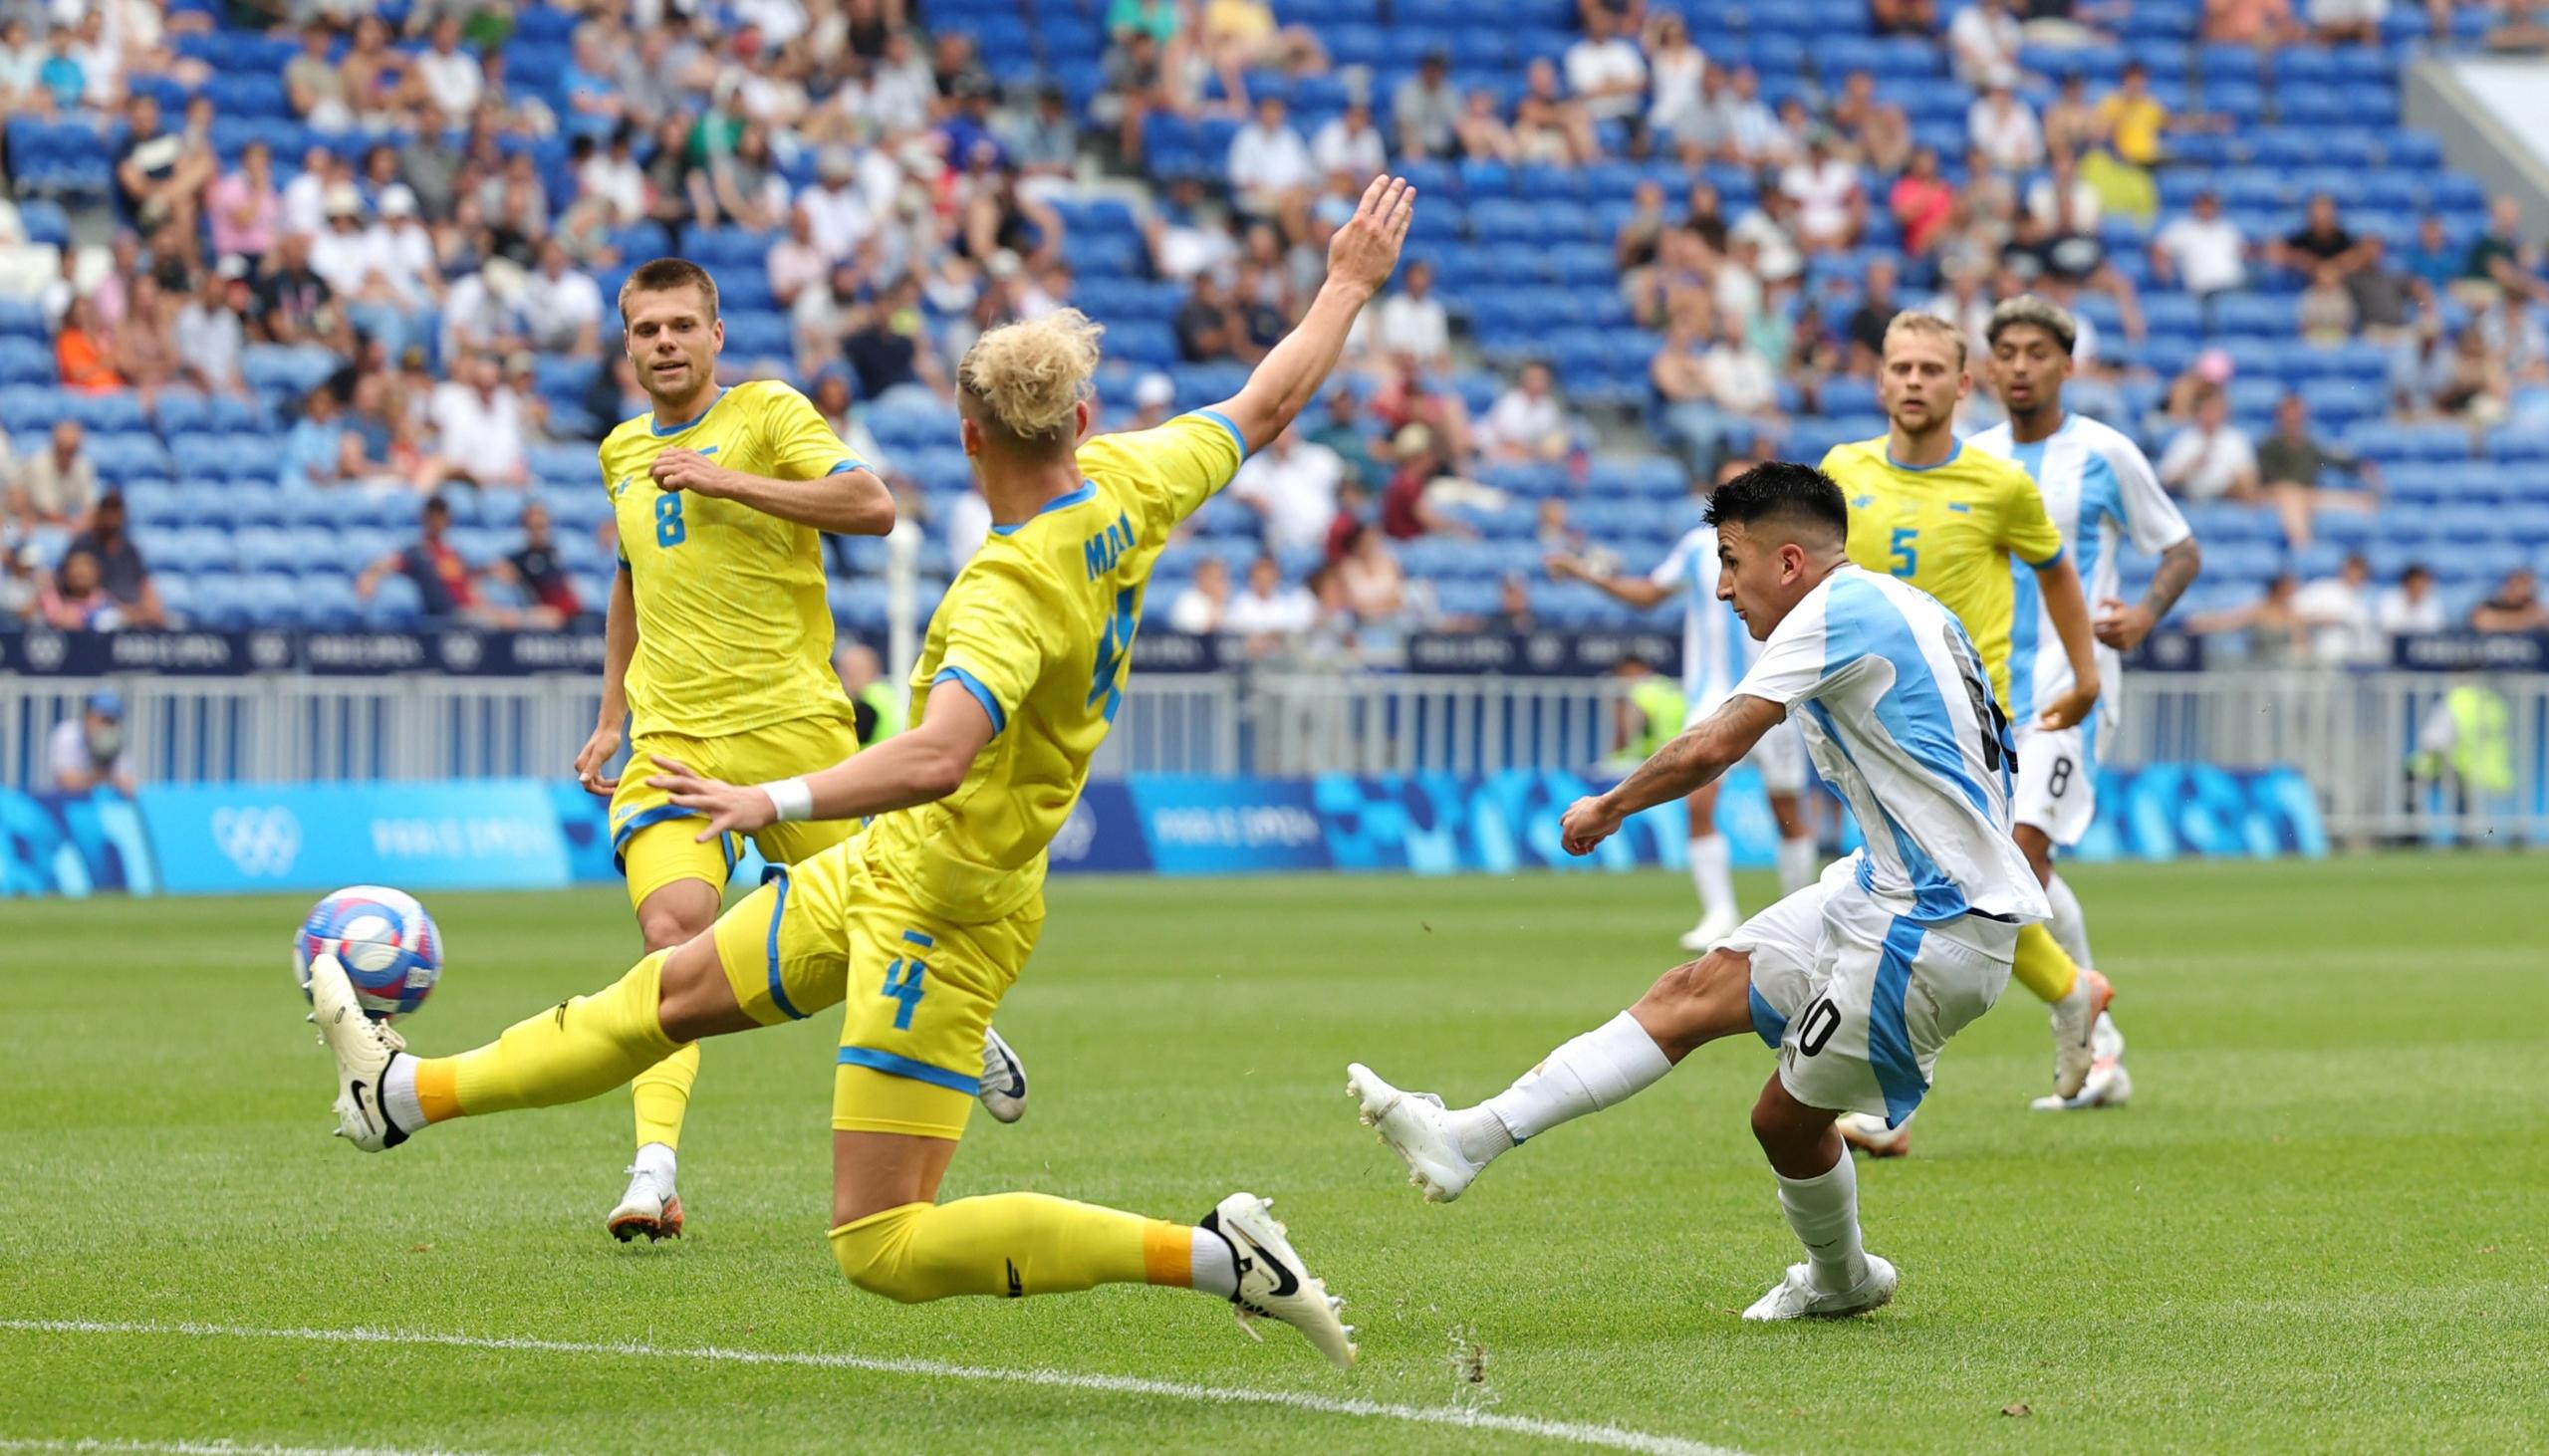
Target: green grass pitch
x,y
2320,1226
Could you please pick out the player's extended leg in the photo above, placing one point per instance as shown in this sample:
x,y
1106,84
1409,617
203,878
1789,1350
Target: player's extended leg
x,y
1446,1149
1712,873
920,991
579,1049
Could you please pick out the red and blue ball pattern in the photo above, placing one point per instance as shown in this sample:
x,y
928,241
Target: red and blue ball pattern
x,y
386,941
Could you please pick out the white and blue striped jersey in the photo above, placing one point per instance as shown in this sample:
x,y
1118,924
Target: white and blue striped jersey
x,y
1715,648
2096,484
1898,715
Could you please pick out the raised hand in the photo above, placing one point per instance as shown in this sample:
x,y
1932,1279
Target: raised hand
x,y
1366,250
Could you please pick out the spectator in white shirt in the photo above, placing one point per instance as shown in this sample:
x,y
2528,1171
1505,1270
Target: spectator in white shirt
x,y
1199,609
212,336
1527,421
1268,609
1679,73
1292,484
562,306
305,198
1412,323
478,421
452,79
1740,382
2202,252
2337,612
2211,459
1744,128
1350,144
483,312
406,249
834,206
795,263
614,176
1824,186
1271,171
2412,606
1605,71
2004,129
1982,44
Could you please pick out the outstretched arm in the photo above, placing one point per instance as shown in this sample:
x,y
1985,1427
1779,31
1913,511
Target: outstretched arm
x,y
1637,591
1705,750
852,502
1360,258
922,766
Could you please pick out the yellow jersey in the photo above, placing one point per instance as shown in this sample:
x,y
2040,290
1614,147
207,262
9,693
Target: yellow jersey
x,y
734,632
1039,628
1949,528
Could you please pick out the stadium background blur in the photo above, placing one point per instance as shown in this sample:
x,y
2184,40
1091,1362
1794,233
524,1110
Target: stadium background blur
x,y
307,323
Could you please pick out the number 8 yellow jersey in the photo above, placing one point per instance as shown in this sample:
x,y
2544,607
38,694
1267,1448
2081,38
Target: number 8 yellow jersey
x,y
1949,528
734,631
1039,628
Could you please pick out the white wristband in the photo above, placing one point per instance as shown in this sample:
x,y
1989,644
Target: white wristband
x,y
793,798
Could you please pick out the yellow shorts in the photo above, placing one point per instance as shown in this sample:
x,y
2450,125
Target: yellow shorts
x,y
652,838
918,990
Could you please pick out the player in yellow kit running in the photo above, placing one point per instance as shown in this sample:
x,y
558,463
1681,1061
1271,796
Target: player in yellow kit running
x,y
923,921
1949,520
719,647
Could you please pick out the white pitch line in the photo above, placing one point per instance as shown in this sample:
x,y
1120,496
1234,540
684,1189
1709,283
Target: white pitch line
x,y
101,1446
1580,1433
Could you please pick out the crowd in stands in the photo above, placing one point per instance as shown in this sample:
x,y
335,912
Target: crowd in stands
x,y
353,263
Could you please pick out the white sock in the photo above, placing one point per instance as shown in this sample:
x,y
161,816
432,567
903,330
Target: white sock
x,y
399,1095
2068,927
1603,1068
1215,1264
1824,1210
1712,872
1796,864
656,1161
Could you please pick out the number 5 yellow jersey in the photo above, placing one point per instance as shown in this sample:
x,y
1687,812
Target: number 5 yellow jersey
x,y
734,632
1039,628
1949,529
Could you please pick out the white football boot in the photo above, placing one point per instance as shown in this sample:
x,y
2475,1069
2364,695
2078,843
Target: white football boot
x,y
363,1050
1868,1133
2074,1020
1714,926
1795,1298
1004,1078
1273,1281
1413,1125
2109,1083
650,1208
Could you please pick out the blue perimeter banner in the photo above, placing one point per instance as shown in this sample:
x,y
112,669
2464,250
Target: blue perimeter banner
x,y
527,834
482,833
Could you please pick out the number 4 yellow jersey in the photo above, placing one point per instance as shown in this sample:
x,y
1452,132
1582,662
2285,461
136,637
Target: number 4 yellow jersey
x,y
1039,628
1949,529
734,632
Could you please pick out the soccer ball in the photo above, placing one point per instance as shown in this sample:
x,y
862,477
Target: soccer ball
x,y
386,941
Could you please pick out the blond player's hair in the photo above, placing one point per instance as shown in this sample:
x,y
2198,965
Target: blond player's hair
x,y
1913,321
1029,379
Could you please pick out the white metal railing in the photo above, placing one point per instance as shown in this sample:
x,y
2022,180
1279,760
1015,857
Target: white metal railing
x,y
2353,735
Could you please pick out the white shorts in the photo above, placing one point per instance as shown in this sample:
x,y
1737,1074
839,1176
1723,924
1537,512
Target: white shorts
x,y
2056,783
1858,999
1779,756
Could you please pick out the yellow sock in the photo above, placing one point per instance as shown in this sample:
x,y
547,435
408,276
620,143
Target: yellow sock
x,y
2042,963
566,1053
1009,1244
663,1095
